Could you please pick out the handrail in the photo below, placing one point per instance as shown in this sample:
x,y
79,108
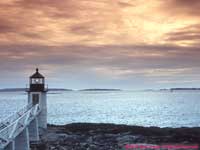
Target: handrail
x,y
14,117
14,128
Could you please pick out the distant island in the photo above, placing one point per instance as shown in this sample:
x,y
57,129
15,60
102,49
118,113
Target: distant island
x,y
171,89
100,90
24,89
180,89
55,89
184,89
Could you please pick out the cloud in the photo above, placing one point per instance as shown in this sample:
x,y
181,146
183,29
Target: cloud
x,y
86,22
106,63
189,35
84,29
128,57
6,26
56,23
125,4
184,7
123,39
90,22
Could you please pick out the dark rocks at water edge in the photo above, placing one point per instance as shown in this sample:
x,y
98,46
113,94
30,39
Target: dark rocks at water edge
x,y
86,136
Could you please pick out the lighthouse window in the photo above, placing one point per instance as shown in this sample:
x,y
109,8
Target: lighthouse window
x,y
36,81
35,98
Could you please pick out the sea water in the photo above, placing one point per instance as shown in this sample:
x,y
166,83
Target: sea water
x,y
163,109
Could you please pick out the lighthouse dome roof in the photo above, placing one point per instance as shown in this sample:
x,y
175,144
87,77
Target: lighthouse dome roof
x,y
37,74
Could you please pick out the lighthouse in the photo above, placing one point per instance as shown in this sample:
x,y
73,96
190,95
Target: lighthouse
x,y
37,95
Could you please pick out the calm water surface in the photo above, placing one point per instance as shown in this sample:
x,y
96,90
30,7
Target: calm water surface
x,y
172,109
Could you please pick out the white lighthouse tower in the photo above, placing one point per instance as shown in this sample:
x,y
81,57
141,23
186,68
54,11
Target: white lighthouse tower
x,y
37,95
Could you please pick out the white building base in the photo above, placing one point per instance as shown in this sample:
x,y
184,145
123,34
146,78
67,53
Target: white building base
x,y
22,140
34,131
11,146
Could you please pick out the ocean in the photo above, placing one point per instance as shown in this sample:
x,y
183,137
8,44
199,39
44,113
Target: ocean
x,y
158,108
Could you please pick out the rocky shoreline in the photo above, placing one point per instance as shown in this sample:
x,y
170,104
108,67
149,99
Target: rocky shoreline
x,y
90,136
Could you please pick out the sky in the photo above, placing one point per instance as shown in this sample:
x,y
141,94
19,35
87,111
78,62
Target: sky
x,y
127,44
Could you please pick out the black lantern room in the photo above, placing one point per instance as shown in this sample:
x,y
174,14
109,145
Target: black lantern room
x,y
37,82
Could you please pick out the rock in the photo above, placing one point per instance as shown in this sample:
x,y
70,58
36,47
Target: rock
x,y
127,139
110,137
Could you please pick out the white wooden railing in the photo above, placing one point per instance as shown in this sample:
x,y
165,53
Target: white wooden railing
x,y
14,117
15,124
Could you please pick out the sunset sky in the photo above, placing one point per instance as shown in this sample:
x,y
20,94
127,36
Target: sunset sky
x,y
128,44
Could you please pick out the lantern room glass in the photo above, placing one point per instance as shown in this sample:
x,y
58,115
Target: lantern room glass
x,y
37,81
